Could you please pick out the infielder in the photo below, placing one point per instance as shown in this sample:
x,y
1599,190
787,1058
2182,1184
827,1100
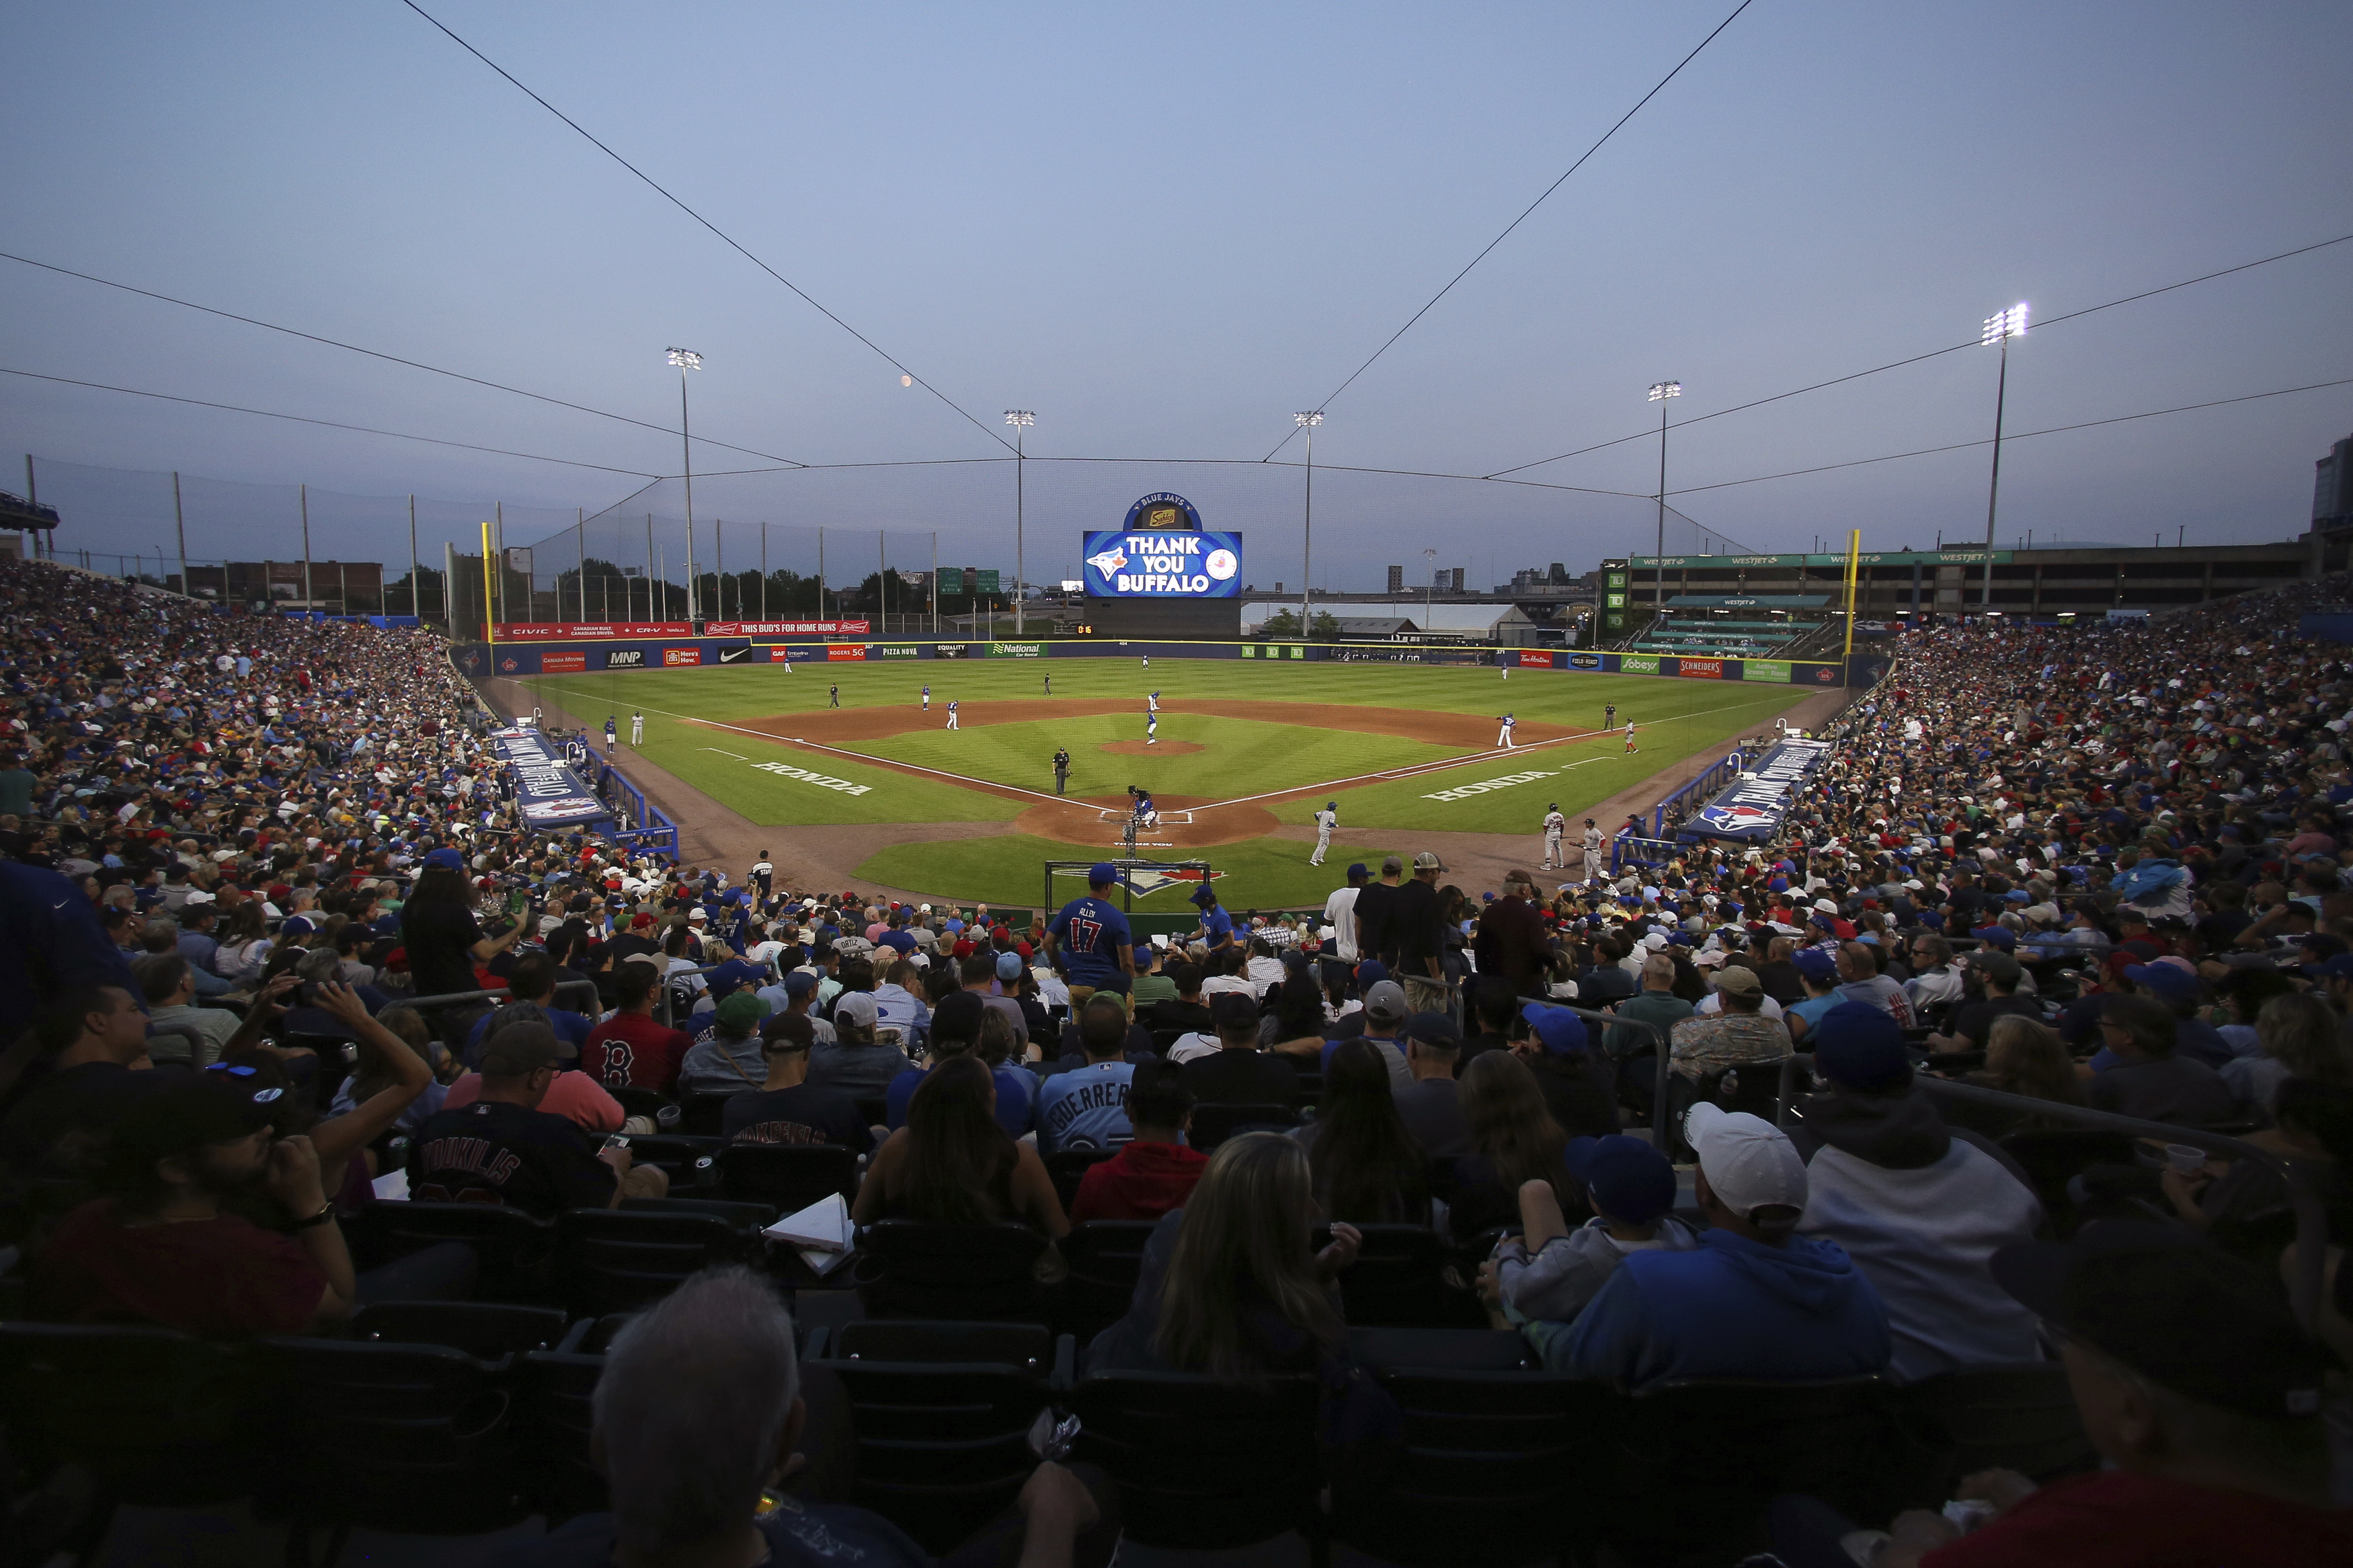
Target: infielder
x,y
952,715
1503,739
1594,839
637,729
1555,824
927,699
1325,820
1631,747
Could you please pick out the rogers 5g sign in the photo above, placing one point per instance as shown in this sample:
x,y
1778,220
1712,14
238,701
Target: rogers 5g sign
x,y
1162,553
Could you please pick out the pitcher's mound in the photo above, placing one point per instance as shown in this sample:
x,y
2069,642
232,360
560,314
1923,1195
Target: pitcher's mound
x,y
1184,825
1150,748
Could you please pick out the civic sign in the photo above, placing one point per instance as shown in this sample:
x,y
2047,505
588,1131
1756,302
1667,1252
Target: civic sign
x,y
592,631
552,795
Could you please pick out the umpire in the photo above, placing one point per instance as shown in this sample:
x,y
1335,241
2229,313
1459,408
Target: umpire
x,y
1062,768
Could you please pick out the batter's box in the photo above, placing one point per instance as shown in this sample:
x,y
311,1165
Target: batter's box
x,y
1171,817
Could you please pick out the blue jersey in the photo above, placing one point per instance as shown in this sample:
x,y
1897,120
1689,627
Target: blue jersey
x,y
1086,1109
1219,924
1091,934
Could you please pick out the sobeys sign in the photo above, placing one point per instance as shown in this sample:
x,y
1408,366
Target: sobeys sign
x,y
1639,663
1017,650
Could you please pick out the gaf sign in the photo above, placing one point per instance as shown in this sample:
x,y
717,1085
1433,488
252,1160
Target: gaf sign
x,y
1142,565
1752,806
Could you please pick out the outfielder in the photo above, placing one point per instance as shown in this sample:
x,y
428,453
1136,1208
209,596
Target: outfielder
x,y
952,715
1503,739
1325,820
637,729
1555,824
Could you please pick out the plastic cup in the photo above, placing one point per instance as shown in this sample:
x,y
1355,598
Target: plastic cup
x,y
2185,1159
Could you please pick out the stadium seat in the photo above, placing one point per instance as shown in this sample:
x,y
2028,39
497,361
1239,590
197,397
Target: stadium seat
x,y
1514,1461
787,1177
1203,1465
161,1418
491,1332
1449,1350
942,1413
698,1114
2052,1156
635,1101
1213,1124
611,1260
2021,1417
553,1420
1395,1281
1104,1257
1069,1167
690,1160
905,1268
514,1251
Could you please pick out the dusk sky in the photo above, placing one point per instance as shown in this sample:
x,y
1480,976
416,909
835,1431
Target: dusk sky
x,y
1164,231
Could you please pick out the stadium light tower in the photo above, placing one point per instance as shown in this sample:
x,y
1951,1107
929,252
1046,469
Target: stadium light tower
x,y
1020,419
1660,391
1999,328
687,360
1307,419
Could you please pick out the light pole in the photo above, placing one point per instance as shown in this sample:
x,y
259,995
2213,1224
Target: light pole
x,y
1660,391
1999,328
687,360
1429,590
1020,419
1307,419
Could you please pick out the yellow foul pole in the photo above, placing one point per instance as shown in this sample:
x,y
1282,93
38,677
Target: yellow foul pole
x,y
489,617
1854,569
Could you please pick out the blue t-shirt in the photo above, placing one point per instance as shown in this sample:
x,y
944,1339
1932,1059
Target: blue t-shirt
x,y
1219,924
1015,1098
1091,934
1086,1109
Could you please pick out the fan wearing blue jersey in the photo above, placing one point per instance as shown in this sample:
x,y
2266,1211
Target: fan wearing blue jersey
x,y
1217,926
1089,941
1087,1107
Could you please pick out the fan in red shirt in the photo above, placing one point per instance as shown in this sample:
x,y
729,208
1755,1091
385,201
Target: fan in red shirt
x,y
1156,1172
629,1049
2196,1386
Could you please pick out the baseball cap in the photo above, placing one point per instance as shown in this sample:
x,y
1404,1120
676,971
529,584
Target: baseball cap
x,y
1428,860
1815,964
519,1050
1204,896
1371,972
2148,1295
1232,1011
957,1016
2331,969
1433,1029
1624,1177
1861,1046
1740,980
2001,967
1384,1000
1560,1030
1356,873
1101,871
2165,979
1999,936
180,1120
1748,1162
799,982
1391,865
1009,966
1826,906
740,1013
854,1007
446,859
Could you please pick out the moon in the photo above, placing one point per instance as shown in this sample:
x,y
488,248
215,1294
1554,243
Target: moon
x,y
906,381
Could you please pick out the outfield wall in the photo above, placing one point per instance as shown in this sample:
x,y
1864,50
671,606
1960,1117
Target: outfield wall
x,y
481,660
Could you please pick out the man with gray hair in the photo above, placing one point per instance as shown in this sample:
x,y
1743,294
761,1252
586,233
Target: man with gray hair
x,y
699,1417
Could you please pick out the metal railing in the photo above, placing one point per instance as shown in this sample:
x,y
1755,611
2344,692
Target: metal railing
x,y
1713,777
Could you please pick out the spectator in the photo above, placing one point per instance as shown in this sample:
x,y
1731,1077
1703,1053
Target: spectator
x,y
787,1109
1230,1284
2214,1442
1154,1173
1086,1108
1737,1037
1515,1140
1755,1300
1385,1013
1655,1005
726,1057
1542,1279
1935,984
503,1148
573,1094
1990,981
2148,1080
58,1122
1187,1010
896,1006
379,1070
532,980
1512,944
2299,1036
168,982
1858,967
443,941
2023,1057
1295,1014
1816,973
1491,1007
699,1417
630,1049
1429,1106
1153,985
1918,1209
856,1063
1367,1168
2175,984
162,1247
953,1165
1238,1072
1575,1080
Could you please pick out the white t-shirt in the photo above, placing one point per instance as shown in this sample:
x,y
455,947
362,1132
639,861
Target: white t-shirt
x,y
1189,1046
1340,914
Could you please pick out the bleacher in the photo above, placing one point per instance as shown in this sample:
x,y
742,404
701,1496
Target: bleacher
x,y
1712,637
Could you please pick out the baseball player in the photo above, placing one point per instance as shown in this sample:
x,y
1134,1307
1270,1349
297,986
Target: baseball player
x,y
1610,715
1151,728
1325,820
783,656
927,698
612,734
833,695
1050,686
1631,747
1555,824
637,729
1145,814
1594,839
1503,739
1152,703
952,715
1507,668
1148,661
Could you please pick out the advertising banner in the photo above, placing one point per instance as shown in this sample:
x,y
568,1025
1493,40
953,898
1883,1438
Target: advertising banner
x,y
674,657
1134,564
1017,650
625,659
1775,670
840,652
1752,807
736,656
1532,659
894,651
951,650
1639,663
590,631
1700,669
1584,661
784,628
564,663
552,795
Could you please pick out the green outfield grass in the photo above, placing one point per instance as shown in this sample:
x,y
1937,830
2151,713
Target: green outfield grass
x,y
1265,873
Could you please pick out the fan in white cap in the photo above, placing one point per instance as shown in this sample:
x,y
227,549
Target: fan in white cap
x,y
1748,1164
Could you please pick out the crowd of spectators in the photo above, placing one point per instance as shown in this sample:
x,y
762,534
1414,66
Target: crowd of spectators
x,y
279,946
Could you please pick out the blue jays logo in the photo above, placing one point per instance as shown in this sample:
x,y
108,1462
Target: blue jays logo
x,y
1735,818
1109,562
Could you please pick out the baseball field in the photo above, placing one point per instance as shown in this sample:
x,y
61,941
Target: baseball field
x,y
1244,753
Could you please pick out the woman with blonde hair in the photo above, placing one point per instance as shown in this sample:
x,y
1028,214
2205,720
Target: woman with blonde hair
x,y
1230,1284
2301,1037
2022,1057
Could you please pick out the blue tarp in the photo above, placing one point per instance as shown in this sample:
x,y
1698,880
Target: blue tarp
x,y
553,796
1751,809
